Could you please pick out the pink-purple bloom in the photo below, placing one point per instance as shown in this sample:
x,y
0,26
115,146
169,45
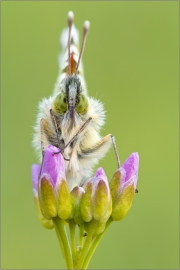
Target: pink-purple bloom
x,y
96,202
50,185
35,174
129,170
123,186
53,164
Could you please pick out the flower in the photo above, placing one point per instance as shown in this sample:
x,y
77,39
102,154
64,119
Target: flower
x,y
96,201
35,173
52,192
76,196
123,186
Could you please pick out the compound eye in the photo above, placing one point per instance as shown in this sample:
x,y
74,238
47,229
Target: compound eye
x,y
82,105
60,104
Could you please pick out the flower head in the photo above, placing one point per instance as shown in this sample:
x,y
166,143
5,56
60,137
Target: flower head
x,y
92,206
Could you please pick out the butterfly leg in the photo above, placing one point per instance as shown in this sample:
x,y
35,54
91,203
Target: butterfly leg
x,y
76,135
42,144
115,150
49,137
55,125
57,135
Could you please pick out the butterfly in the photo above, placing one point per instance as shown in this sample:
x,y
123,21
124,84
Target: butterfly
x,y
70,119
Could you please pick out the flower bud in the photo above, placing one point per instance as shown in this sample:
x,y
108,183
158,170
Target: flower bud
x,y
35,173
53,191
123,185
76,195
96,202
63,198
47,197
86,203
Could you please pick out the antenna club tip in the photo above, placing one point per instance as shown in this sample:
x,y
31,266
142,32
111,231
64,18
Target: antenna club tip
x,y
86,25
70,17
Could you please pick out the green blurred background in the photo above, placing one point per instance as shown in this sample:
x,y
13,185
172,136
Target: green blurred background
x,y
131,65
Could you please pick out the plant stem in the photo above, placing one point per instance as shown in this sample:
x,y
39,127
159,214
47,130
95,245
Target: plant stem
x,y
59,224
86,245
81,232
72,227
94,246
60,242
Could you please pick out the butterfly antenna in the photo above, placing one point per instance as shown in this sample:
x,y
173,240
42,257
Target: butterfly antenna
x,y
85,31
70,22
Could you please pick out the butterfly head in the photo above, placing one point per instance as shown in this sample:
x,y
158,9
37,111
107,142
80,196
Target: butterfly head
x,y
71,99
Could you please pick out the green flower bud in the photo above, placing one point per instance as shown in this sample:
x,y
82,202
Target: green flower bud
x,y
44,222
86,203
102,202
76,195
123,186
63,199
96,202
123,203
48,224
50,185
47,198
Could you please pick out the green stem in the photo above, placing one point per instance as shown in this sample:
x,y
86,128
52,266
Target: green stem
x,y
59,224
86,244
94,245
81,234
72,227
60,242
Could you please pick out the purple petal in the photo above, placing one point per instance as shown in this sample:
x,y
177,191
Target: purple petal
x,y
100,173
35,170
131,181
131,166
53,164
123,175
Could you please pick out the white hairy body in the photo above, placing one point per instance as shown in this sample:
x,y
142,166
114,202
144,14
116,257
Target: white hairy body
x,y
88,147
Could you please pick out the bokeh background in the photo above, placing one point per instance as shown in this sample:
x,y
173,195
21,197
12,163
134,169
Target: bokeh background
x,y
131,65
